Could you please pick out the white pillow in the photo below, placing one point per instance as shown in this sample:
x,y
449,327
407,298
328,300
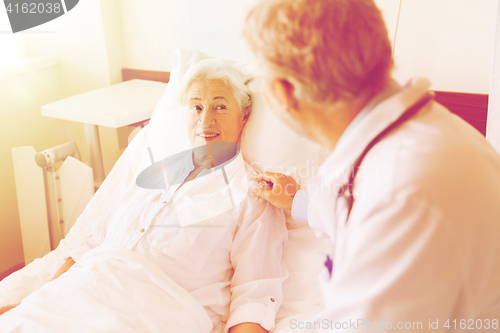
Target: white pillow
x,y
266,144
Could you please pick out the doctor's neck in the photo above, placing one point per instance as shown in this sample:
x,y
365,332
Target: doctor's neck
x,y
321,123
326,125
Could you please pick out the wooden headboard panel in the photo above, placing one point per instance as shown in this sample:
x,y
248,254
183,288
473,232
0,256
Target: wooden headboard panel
x,y
473,108
130,74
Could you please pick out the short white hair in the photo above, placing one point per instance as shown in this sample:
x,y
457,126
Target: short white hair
x,y
220,69
330,50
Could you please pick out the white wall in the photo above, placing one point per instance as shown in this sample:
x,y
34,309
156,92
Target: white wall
x,y
493,128
447,41
141,36
154,28
13,45
112,29
88,44
390,12
210,26
78,40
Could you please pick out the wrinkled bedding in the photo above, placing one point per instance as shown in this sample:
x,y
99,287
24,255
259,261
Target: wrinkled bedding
x,y
109,290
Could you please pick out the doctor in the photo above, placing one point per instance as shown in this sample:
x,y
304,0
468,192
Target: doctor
x,y
410,194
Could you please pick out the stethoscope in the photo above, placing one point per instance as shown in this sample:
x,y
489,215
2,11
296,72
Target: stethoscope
x,y
346,190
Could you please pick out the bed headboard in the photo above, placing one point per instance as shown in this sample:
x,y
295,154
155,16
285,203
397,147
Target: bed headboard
x,y
130,74
473,108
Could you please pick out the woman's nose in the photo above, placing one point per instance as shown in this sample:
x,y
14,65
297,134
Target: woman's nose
x,y
206,118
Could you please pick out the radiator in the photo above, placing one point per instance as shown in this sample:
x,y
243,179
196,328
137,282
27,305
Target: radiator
x,y
53,187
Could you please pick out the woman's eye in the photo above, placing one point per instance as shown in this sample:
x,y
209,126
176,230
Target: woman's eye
x,y
196,107
220,107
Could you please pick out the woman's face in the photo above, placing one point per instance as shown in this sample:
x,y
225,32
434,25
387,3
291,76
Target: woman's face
x,y
214,113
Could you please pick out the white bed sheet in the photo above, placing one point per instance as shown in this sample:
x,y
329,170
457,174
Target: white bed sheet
x,y
109,290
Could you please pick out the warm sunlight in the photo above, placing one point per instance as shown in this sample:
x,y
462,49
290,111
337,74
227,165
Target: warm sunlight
x,y
12,46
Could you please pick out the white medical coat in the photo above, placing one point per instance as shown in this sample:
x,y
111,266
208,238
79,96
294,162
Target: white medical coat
x,y
422,242
231,263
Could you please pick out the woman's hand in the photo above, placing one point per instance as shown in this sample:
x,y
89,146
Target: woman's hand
x,y
247,328
277,188
6,308
64,267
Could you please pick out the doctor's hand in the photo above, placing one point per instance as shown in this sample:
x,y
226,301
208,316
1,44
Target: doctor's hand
x,y
277,188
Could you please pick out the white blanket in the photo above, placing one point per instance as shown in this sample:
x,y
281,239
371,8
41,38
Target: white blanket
x,y
109,291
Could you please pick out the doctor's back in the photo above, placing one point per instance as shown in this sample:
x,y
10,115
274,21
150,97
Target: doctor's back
x,y
423,234
410,194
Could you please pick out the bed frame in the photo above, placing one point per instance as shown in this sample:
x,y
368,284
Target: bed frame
x,y
130,74
473,108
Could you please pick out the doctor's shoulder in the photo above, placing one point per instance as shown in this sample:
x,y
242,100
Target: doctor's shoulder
x,y
435,157
443,160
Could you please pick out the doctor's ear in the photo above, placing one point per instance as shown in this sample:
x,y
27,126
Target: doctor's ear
x,y
245,118
284,92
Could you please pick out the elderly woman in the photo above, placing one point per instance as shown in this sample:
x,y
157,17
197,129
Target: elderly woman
x,y
415,237
226,253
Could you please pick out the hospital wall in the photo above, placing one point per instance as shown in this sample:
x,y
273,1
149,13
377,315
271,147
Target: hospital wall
x,y
448,41
88,44
84,51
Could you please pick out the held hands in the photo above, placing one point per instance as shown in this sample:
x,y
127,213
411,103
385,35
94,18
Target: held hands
x,y
277,188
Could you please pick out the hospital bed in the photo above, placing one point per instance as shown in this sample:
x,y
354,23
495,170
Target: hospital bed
x,y
266,144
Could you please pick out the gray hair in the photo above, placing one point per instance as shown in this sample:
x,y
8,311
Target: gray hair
x,y
331,51
219,69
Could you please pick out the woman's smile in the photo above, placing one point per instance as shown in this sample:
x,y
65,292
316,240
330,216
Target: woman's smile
x,y
214,113
208,136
